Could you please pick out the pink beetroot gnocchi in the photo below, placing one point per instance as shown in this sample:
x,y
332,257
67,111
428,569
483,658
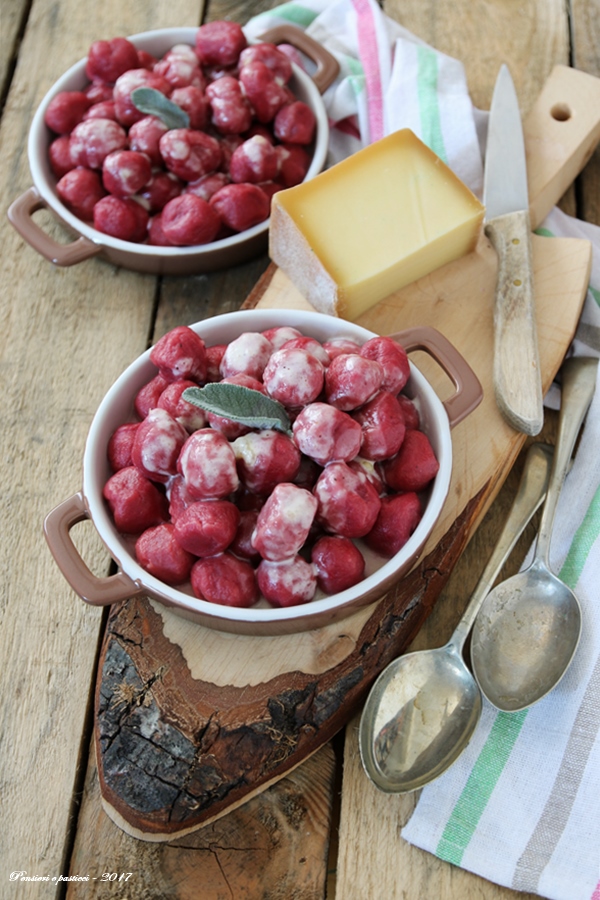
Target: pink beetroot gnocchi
x,y
348,503
383,426
284,522
180,354
287,582
157,445
338,562
245,130
327,434
294,377
352,380
159,552
239,512
266,459
225,579
207,527
207,463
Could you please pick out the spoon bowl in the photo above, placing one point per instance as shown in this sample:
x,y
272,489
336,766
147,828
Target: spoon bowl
x,y
423,709
527,633
528,628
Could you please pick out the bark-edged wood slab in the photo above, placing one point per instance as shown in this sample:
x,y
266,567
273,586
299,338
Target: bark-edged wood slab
x,y
275,847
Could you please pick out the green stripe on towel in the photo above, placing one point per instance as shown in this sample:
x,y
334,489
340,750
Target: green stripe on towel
x,y
427,78
585,538
480,784
293,12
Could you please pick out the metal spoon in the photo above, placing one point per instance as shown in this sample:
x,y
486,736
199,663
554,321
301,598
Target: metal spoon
x,y
423,709
528,629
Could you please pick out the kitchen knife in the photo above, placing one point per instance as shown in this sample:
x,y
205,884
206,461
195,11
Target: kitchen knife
x,y
517,378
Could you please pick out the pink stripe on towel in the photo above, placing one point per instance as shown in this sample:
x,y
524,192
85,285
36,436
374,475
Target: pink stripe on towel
x,y
369,57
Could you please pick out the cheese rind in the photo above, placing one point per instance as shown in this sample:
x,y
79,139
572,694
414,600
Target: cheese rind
x,y
373,223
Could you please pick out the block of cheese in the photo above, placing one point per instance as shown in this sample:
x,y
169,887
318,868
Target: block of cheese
x,y
372,224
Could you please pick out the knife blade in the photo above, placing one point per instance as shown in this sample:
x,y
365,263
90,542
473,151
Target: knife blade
x,y
517,379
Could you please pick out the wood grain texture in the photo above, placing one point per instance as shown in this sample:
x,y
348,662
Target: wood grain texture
x,y
273,848
65,336
395,869
531,35
414,873
586,56
517,380
54,374
297,852
241,706
12,16
566,113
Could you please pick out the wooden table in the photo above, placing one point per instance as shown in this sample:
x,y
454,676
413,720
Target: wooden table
x,y
66,334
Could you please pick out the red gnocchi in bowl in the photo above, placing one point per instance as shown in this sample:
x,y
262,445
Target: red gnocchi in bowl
x,y
216,453
244,511
196,118
164,127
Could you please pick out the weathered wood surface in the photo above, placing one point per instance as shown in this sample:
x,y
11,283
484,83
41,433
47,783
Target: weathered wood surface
x,y
274,847
12,15
174,751
531,37
65,336
53,323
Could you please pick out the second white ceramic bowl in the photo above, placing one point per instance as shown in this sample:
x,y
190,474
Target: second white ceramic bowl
x,y
145,257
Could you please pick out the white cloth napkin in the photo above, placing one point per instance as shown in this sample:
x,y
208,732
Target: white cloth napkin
x,y
521,807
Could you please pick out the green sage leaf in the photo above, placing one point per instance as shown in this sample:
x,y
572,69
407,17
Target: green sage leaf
x,y
153,103
240,404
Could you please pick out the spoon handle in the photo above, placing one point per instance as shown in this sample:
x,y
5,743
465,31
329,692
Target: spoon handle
x,y
578,384
530,494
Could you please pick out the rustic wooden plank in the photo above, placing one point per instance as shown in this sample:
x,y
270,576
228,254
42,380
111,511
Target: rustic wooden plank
x,y
531,37
586,55
233,712
13,14
65,336
273,847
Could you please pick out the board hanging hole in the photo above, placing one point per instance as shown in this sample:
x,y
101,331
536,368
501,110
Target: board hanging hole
x,y
561,112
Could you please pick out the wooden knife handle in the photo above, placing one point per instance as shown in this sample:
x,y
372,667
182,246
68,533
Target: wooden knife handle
x,y
517,378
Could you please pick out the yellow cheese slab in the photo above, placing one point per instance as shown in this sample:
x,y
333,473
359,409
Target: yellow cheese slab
x,y
373,223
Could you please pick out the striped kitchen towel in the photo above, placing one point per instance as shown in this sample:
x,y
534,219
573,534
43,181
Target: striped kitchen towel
x,y
521,807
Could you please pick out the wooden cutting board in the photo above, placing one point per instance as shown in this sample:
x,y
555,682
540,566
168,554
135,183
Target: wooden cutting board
x,y
191,722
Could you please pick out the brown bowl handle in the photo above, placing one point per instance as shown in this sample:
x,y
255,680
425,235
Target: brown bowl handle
x,y
20,215
327,65
469,392
94,590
